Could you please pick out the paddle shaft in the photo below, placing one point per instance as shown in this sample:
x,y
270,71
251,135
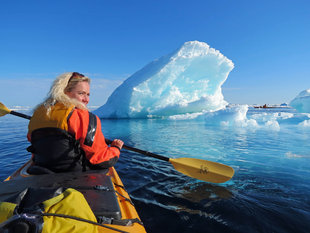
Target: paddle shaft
x,y
147,153
20,115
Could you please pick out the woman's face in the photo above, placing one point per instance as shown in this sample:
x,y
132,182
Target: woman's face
x,y
80,92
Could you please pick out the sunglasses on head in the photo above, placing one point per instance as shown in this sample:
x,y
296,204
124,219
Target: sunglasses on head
x,y
76,75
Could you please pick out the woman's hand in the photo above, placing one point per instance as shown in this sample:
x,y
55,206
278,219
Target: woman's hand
x,y
118,143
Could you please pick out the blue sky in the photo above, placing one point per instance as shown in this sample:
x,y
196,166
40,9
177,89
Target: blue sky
x,y
268,41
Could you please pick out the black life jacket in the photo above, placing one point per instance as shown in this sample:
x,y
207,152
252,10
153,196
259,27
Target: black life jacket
x,y
56,150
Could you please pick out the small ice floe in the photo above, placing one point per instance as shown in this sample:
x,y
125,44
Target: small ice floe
x,y
293,155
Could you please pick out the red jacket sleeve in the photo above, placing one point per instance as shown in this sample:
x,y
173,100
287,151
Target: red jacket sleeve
x,y
87,129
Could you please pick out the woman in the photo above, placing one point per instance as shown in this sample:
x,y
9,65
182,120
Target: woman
x,y
64,135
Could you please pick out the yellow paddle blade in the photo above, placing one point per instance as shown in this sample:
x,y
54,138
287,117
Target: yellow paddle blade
x,y
4,110
203,169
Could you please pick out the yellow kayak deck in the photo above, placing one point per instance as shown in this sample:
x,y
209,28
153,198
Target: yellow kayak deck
x,y
123,212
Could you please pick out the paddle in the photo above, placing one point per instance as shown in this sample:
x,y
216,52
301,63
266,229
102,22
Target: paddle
x,y
196,168
4,110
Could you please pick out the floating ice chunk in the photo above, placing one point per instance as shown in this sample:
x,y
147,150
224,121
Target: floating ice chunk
x,y
302,101
231,116
305,123
184,82
273,125
293,155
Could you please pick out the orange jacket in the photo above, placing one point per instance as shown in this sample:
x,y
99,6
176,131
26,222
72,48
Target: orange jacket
x,y
87,129
83,125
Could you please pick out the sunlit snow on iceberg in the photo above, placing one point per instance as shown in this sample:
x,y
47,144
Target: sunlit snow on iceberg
x,y
187,81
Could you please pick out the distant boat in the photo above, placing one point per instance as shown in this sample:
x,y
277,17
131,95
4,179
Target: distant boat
x,y
265,106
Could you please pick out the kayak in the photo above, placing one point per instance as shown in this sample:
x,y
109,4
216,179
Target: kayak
x,y
103,190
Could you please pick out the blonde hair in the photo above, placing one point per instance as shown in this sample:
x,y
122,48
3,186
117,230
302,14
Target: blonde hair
x,y
64,83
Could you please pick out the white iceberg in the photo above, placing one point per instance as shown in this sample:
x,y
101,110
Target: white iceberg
x,y
187,81
302,101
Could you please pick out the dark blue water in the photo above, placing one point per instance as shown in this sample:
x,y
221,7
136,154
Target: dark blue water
x,y
270,191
